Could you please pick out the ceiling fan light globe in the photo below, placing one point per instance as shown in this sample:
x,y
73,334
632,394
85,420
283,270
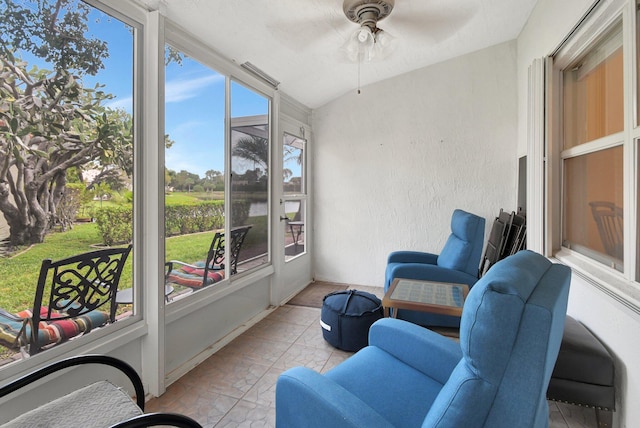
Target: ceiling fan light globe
x,y
364,35
384,39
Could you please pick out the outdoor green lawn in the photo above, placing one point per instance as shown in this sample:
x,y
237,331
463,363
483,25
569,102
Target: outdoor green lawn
x,y
19,274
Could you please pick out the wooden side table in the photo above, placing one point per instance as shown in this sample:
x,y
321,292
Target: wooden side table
x,y
426,296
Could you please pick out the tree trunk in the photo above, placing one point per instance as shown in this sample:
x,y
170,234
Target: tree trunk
x,y
20,233
23,229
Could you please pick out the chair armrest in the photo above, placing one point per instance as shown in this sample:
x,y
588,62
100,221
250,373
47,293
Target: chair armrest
x,y
425,272
308,399
412,257
76,361
425,350
159,418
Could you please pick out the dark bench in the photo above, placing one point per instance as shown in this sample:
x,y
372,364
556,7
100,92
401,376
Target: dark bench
x,y
584,373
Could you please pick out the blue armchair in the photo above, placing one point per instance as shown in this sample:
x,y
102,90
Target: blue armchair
x,y
458,262
497,375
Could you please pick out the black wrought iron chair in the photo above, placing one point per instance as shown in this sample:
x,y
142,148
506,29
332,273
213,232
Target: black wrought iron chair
x,y
73,296
204,273
99,404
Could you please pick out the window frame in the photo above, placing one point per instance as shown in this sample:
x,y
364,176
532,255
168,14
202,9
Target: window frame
x,y
622,286
124,331
182,40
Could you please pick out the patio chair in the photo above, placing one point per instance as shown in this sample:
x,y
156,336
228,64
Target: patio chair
x,y
73,296
99,404
609,219
457,262
296,227
204,273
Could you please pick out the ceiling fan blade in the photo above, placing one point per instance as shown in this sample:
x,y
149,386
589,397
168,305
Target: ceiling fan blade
x,y
435,25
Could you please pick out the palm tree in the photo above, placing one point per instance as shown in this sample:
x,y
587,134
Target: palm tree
x,y
254,149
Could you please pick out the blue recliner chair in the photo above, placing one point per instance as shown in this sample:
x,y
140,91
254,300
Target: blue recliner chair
x,y
458,262
409,376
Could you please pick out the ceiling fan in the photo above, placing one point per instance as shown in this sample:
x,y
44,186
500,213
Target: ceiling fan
x,y
368,41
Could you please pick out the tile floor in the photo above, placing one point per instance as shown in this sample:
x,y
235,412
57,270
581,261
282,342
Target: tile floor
x,y
236,386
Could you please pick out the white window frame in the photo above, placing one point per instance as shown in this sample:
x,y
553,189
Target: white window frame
x,y
622,286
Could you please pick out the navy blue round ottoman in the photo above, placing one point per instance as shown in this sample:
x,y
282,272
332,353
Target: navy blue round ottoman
x,y
347,316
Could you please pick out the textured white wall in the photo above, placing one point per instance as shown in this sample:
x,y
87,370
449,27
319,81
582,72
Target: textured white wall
x,y
392,163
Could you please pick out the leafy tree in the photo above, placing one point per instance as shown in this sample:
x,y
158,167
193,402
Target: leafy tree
x,y
168,177
184,180
53,30
212,174
112,177
49,122
213,179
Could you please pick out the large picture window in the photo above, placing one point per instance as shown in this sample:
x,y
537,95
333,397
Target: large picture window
x,y
66,169
203,248
194,173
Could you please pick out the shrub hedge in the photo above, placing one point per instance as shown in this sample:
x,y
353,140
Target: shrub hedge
x,y
114,223
183,218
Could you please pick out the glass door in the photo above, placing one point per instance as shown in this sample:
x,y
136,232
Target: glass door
x,y
294,216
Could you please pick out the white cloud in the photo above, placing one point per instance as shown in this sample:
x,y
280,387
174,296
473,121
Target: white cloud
x,y
180,90
125,104
175,91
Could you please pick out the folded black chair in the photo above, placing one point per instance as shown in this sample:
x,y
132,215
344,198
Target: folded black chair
x,y
497,241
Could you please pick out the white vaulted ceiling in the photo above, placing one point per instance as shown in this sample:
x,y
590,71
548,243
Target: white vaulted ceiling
x,y
298,42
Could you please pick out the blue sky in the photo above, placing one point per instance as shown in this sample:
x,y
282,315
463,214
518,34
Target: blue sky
x,y
194,98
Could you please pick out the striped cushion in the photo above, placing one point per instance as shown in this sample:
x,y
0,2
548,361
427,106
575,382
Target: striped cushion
x,y
48,331
192,277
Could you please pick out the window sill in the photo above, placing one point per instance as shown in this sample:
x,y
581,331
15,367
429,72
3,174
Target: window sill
x,y
608,281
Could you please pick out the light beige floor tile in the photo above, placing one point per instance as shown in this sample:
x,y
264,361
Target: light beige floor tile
x,y
276,331
300,355
249,415
264,391
255,349
555,416
225,375
295,315
313,337
578,416
205,406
